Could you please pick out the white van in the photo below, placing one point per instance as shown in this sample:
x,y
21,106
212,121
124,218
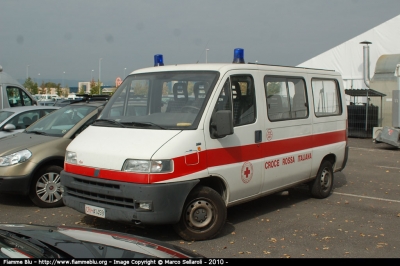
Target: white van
x,y
179,144
12,93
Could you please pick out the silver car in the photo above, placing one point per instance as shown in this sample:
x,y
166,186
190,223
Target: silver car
x,y
16,119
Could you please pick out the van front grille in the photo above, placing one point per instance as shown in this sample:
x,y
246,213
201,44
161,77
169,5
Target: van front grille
x,y
94,191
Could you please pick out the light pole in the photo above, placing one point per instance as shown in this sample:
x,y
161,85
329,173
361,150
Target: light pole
x,y
124,73
100,75
38,82
207,54
27,71
63,80
91,77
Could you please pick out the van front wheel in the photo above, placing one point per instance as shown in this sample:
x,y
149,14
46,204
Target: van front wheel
x,y
203,215
322,186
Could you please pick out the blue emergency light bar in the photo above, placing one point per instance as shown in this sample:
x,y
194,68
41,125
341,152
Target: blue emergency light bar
x,y
158,60
238,56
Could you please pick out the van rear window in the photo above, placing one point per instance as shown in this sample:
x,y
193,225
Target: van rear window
x,y
326,97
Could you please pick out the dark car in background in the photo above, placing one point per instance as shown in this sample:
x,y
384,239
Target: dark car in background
x,y
31,161
37,241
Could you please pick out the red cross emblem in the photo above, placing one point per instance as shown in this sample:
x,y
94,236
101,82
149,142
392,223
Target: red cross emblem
x,y
247,172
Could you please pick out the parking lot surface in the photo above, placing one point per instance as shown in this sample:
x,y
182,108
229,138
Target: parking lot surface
x,y
359,220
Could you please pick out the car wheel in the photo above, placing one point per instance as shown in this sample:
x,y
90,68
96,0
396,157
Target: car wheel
x,y
203,215
322,186
45,190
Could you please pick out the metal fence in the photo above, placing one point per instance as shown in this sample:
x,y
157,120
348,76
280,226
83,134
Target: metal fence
x,y
360,123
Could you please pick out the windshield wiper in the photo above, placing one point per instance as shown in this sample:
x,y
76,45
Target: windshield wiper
x,y
144,124
110,121
46,250
36,132
32,243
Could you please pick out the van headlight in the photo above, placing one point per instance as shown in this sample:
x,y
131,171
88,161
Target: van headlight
x,y
18,157
148,166
70,157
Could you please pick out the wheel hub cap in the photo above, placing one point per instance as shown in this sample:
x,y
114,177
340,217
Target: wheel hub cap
x,y
48,187
199,214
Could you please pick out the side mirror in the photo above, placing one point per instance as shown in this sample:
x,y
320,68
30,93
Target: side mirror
x,y
222,124
9,127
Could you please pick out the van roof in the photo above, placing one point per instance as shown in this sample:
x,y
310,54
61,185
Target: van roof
x,y
7,79
221,67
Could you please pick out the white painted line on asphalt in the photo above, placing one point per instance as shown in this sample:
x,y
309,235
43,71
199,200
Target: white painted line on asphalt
x,y
387,167
374,150
365,197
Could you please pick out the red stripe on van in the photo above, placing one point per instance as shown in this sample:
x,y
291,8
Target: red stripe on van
x,y
216,157
107,174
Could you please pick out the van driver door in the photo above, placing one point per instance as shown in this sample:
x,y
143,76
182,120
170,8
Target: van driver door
x,y
237,158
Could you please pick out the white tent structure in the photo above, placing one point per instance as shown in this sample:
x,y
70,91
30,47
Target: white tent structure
x,y
347,58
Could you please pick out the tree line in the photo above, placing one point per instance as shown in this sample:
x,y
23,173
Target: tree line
x,y
45,88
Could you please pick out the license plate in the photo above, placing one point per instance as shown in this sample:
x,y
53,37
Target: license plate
x,y
95,211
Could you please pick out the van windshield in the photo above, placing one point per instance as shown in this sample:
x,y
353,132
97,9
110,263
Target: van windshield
x,y
161,100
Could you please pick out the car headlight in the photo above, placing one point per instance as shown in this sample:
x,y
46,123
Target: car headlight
x,y
18,157
70,157
147,166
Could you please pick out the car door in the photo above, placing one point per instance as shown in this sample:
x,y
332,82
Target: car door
x,y
237,158
289,139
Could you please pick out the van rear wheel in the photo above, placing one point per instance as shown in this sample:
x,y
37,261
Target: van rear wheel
x,y
203,215
322,186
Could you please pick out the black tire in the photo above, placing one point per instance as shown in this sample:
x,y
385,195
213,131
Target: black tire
x,y
203,215
45,189
322,186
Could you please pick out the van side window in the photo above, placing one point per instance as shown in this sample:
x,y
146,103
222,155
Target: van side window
x,y
14,98
243,95
326,97
17,97
224,98
238,95
286,98
26,99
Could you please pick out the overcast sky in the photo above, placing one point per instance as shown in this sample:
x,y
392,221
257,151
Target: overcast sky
x,y
71,36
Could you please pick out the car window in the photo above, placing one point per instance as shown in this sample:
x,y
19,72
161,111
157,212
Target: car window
x,y
88,123
58,123
25,119
48,111
4,115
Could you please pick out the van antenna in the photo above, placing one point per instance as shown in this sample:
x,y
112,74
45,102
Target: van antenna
x,y
202,51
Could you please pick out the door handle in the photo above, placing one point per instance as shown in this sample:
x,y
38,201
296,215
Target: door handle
x,y
257,136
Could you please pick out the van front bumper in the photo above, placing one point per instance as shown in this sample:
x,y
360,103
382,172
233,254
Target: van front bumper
x,y
121,200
